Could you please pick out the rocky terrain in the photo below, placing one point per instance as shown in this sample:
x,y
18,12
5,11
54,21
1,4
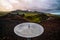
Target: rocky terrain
x,y
9,21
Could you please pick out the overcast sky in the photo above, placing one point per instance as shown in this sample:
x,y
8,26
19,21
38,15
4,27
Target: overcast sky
x,y
31,5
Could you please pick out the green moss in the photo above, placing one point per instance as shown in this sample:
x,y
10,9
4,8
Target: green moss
x,y
3,13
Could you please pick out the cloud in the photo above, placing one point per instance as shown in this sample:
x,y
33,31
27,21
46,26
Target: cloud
x,y
33,5
43,5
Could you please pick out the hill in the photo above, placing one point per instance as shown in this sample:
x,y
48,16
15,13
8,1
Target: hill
x,y
50,23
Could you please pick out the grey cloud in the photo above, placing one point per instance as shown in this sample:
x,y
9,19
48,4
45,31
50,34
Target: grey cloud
x,y
44,5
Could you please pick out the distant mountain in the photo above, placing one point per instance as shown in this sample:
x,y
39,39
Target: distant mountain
x,y
20,12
